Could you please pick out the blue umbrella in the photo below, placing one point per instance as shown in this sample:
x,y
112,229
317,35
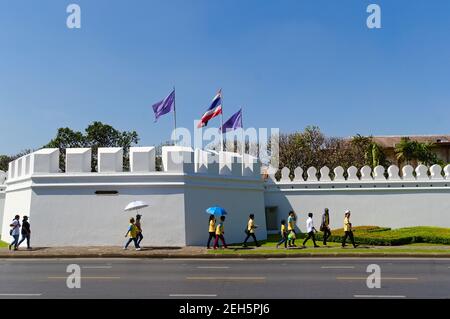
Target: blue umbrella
x,y
216,210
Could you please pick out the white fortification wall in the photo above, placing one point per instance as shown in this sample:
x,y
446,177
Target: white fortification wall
x,y
79,207
2,195
419,197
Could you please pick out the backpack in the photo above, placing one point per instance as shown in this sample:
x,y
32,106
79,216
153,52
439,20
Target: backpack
x,y
11,230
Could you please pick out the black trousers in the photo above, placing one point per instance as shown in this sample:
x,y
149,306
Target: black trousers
x,y
310,235
326,235
348,234
212,235
27,237
251,235
139,238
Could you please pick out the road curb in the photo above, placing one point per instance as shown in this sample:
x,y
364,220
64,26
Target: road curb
x,y
220,256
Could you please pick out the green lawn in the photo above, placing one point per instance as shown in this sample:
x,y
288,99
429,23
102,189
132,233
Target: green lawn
x,y
381,236
3,244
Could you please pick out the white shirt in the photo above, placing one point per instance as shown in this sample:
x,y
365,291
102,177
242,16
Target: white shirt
x,y
16,227
309,225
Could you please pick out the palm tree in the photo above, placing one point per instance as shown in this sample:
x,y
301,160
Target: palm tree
x,y
405,150
412,151
425,154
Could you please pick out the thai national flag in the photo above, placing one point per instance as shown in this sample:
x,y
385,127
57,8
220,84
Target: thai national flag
x,y
214,110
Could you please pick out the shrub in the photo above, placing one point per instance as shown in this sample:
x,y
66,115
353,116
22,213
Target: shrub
x,y
382,236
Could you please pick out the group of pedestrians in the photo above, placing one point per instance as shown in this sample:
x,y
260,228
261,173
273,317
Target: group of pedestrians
x,y
216,231
288,235
17,229
287,230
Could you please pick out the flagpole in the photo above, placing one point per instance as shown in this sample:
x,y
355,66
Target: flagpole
x,y
242,134
174,115
221,119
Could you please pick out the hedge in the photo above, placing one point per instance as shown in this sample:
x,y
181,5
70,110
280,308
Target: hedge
x,y
381,236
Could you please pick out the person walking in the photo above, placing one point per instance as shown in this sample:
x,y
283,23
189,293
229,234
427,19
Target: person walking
x,y
15,232
211,230
132,234
250,230
292,219
310,229
348,230
284,235
26,232
220,231
325,226
139,235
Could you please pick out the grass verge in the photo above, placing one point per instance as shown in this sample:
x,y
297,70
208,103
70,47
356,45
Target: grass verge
x,y
380,236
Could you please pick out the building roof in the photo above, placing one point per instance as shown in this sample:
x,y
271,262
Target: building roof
x,y
391,141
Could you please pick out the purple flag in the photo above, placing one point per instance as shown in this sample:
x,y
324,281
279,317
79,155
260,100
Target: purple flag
x,y
233,122
165,106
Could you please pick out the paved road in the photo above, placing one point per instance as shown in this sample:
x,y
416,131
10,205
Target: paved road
x,y
254,278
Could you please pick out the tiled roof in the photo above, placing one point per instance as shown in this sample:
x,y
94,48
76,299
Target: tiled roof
x,y
391,141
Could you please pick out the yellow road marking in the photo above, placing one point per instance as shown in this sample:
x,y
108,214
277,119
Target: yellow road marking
x,y
94,278
382,278
226,278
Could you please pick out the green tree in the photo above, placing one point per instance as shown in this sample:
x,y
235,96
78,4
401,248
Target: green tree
x,y
96,135
404,150
312,148
414,152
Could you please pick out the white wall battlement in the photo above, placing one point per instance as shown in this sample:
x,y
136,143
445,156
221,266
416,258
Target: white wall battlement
x,y
422,173
2,178
175,159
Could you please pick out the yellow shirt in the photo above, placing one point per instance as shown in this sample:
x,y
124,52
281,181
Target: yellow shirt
x,y
219,229
283,229
132,231
291,223
347,225
250,226
212,226
327,220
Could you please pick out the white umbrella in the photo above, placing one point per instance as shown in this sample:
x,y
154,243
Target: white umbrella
x,y
135,206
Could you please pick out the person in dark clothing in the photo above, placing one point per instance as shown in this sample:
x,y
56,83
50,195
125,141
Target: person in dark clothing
x,y
139,227
26,232
211,230
325,226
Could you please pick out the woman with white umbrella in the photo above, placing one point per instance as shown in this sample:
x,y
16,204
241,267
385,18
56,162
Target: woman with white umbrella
x,y
135,228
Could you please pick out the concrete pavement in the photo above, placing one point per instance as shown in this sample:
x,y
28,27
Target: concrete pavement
x,y
433,251
225,278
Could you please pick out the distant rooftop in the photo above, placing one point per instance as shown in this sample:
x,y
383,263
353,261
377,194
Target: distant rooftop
x,y
391,141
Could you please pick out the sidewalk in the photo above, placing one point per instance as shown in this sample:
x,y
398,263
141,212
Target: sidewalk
x,y
233,252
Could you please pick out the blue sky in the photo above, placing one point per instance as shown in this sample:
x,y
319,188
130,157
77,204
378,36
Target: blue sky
x,y
288,63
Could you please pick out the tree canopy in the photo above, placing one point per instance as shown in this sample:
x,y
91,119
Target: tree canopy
x,y
95,135
414,152
312,148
